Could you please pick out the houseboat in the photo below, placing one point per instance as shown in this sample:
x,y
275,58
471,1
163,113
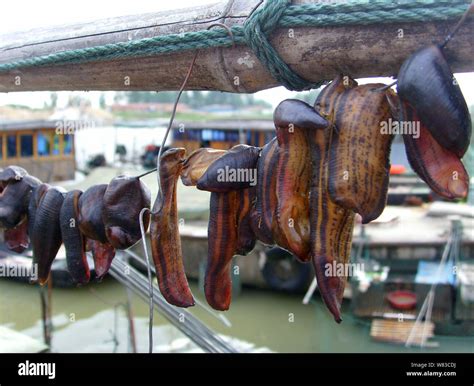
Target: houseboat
x,y
222,134
43,147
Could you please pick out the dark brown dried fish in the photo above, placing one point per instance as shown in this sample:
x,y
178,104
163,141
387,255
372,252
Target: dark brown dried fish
x,y
16,239
440,168
103,254
124,199
427,84
73,239
91,206
235,170
14,199
46,236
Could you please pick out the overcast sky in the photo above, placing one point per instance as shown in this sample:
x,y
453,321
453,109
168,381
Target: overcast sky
x,y
28,14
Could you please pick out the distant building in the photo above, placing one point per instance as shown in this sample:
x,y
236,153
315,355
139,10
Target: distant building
x,y
222,134
150,107
39,148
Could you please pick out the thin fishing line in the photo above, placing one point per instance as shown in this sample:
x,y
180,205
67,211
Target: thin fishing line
x,y
150,281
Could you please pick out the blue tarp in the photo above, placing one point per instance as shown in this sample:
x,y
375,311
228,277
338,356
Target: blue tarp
x,y
428,273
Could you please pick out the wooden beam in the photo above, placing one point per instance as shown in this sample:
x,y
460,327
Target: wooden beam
x,y
314,53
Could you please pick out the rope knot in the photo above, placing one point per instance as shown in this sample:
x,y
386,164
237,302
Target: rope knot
x,y
257,28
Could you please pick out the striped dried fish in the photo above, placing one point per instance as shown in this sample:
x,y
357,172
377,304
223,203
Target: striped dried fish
x,y
164,233
197,163
293,119
245,237
222,244
330,224
266,200
359,158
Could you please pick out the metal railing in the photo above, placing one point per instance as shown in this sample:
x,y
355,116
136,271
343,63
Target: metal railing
x,y
182,319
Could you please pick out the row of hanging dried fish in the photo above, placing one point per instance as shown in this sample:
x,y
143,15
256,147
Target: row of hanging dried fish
x,y
327,163
101,219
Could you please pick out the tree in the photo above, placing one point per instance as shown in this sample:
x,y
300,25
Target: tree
x,y
195,99
53,97
102,102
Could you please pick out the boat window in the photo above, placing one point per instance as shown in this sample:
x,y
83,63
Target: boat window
x,y
11,145
207,135
67,144
56,148
26,145
44,145
48,144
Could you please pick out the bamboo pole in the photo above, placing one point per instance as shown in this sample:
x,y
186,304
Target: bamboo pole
x,y
314,53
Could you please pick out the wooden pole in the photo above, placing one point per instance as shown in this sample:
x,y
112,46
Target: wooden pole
x,y
314,53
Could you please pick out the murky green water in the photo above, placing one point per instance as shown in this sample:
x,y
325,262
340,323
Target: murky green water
x,y
277,321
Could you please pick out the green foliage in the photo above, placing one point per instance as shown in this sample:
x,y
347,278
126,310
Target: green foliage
x,y
307,96
194,99
102,101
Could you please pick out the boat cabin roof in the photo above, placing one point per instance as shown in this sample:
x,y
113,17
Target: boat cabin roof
x,y
40,124
228,124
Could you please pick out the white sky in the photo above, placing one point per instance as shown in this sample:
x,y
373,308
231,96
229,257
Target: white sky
x,y
28,14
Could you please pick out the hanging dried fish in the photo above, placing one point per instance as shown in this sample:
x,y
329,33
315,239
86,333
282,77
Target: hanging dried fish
x,y
329,228
222,244
73,239
124,199
35,199
164,233
326,99
11,173
103,255
16,239
359,153
235,170
440,168
46,236
15,197
266,200
197,163
292,120
91,206
245,237
427,84
330,224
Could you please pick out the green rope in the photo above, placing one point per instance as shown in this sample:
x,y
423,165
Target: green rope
x,y
257,29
